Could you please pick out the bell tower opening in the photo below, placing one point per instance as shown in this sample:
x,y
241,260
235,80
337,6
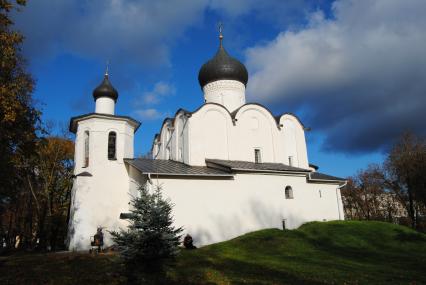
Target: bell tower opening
x,y
112,146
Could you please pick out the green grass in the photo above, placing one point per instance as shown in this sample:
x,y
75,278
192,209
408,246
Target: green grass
x,y
317,253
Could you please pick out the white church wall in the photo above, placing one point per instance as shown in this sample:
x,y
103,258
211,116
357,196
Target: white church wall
x,y
254,129
290,142
302,152
213,210
163,142
181,130
185,141
99,199
173,140
165,146
229,93
175,151
127,138
105,105
179,125
293,141
136,180
208,134
155,150
211,133
215,138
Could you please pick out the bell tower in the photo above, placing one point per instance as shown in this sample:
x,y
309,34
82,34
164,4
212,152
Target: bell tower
x,y
101,184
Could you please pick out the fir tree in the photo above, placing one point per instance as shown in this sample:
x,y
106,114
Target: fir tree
x,y
151,241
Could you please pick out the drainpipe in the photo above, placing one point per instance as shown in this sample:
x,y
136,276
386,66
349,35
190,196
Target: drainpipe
x,y
337,198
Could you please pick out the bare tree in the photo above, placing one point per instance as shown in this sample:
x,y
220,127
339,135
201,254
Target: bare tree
x,y
364,195
405,169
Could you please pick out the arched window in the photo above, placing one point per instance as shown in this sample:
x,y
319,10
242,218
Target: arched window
x,y
112,150
288,192
86,149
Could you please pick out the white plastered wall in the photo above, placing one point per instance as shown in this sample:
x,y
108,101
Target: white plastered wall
x,y
214,210
255,128
99,199
105,105
174,136
212,133
208,134
293,142
229,93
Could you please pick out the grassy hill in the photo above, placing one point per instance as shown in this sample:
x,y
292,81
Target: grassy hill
x,y
317,253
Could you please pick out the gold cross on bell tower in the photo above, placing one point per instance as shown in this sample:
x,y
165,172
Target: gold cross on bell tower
x,y
220,33
107,68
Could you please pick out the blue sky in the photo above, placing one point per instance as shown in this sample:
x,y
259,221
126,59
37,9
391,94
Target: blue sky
x,y
353,71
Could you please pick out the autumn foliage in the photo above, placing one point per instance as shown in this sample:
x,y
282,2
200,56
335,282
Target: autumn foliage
x,y
35,167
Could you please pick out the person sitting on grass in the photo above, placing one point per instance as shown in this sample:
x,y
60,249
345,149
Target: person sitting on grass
x,y
187,242
99,238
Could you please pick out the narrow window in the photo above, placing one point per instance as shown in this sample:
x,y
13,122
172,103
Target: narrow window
x,y
86,149
112,150
319,191
288,192
290,160
257,156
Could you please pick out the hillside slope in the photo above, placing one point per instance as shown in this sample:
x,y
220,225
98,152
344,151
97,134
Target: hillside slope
x,y
346,252
333,252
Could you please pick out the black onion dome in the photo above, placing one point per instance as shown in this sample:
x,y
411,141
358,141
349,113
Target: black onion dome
x,y
222,66
105,89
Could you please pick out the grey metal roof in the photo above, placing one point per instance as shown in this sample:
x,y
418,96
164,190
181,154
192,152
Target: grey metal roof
x,y
221,168
170,167
75,120
324,177
252,166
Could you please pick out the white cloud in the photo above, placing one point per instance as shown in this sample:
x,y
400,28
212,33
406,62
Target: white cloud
x,y
128,31
148,114
160,91
361,74
120,30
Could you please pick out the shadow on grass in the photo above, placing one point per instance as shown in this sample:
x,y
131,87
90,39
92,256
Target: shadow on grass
x,y
212,268
409,236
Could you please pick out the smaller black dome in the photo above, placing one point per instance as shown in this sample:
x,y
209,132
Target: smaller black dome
x,y
222,66
105,89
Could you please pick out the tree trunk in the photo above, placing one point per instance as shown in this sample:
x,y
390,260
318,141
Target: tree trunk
x,y
41,231
411,204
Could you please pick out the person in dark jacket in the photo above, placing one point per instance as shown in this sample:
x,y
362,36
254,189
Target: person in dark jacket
x,y
187,242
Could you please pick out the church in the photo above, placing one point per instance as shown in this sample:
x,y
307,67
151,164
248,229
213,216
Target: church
x,y
229,167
